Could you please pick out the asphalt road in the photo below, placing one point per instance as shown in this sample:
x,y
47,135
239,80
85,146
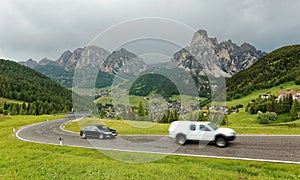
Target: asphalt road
x,y
271,148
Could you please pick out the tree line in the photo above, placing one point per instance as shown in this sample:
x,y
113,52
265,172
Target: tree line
x,y
34,108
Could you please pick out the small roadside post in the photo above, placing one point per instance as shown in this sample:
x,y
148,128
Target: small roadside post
x,y
60,141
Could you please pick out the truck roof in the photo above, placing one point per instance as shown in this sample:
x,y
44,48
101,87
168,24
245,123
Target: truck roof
x,y
198,122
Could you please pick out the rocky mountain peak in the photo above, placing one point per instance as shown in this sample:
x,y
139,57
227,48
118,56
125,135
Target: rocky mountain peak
x,y
199,35
226,58
69,60
45,61
121,59
248,47
30,63
91,56
62,60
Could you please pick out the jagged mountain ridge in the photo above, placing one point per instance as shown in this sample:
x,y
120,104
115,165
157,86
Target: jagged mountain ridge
x,y
224,59
91,57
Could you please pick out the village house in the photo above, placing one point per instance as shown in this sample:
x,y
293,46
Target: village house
x,y
295,94
264,96
220,109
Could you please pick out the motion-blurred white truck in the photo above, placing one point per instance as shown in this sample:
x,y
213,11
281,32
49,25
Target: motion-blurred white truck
x,y
200,131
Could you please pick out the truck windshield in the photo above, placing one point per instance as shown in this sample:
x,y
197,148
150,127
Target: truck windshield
x,y
214,127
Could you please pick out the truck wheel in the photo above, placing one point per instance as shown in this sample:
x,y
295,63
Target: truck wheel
x,y
180,139
221,142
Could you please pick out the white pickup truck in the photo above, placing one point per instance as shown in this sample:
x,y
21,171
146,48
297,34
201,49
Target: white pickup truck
x,y
201,131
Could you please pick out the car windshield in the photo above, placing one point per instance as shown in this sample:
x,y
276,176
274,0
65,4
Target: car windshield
x,y
214,127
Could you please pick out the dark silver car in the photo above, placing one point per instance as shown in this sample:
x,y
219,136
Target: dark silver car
x,y
98,131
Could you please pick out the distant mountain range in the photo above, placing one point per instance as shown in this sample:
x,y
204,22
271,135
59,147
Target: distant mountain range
x,y
203,55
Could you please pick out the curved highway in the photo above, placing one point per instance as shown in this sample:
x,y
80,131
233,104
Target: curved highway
x,y
269,148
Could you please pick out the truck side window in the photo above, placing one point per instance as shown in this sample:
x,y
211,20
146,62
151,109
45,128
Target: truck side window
x,y
203,128
192,127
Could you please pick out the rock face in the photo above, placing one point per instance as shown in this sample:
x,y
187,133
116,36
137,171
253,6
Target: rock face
x,y
65,60
123,61
92,56
225,58
82,57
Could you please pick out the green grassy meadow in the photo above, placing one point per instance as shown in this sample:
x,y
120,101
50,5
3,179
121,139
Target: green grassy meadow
x,y
242,123
124,127
25,160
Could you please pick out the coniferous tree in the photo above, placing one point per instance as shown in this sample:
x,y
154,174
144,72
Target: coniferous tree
x,y
140,110
295,110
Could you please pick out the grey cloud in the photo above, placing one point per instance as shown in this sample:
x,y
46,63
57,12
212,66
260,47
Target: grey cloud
x,y
46,28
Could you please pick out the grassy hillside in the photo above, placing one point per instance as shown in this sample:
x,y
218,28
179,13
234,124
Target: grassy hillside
x,y
279,66
290,85
244,122
18,82
153,83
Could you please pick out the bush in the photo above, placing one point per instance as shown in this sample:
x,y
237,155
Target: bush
x,y
263,121
239,106
266,118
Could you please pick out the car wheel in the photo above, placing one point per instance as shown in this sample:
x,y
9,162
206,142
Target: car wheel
x,y
101,136
180,139
221,142
83,136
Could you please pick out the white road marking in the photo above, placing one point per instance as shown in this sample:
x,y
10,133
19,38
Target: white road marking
x,y
269,135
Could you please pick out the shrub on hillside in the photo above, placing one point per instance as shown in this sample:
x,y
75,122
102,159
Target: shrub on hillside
x,y
266,118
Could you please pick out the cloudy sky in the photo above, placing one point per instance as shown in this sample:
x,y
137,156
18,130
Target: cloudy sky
x,y
46,28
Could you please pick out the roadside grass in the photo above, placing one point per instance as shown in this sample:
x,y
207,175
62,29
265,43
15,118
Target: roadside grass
x,y
124,127
25,160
